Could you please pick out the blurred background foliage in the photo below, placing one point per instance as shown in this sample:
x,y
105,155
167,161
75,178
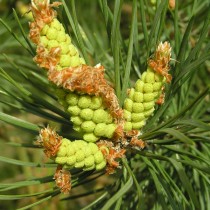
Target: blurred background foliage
x,y
173,171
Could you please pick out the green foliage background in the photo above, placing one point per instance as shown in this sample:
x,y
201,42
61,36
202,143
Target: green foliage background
x,y
173,171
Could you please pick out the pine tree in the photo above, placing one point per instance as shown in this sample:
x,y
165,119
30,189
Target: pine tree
x,y
109,105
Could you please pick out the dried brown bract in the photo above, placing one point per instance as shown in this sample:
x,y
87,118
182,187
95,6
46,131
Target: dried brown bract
x,y
112,154
50,140
63,179
161,59
90,80
43,13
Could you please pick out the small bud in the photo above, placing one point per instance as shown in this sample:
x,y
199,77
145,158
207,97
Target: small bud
x,y
136,117
128,126
138,97
74,110
138,125
51,34
90,137
86,114
149,112
80,156
110,130
84,101
93,147
68,40
52,43
79,144
101,165
79,164
87,151
74,61
127,115
82,61
148,97
61,160
44,41
71,160
76,120
100,129
148,88
72,50
143,76
148,105
65,142
77,128
100,116
61,37
89,161
98,157
70,150
96,102
72,99
64,48
149,77
109,118
156,94
89,168
128,104
62,28
139,86
59,68
88,126
138,107
131,93
65,61
62,151
55,24
157,86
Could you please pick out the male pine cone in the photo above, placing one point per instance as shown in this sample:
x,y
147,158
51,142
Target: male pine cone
x,y
80,154
72,154
140,103
55,51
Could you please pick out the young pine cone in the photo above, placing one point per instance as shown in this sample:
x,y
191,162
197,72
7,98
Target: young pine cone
x,y
89,104
140,103
80,154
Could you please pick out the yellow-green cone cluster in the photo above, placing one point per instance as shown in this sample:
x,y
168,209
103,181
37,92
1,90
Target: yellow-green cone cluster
x,y
80,154
87,112
90,117
139,104
53,35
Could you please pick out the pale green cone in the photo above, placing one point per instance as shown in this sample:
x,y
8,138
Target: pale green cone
x,y
80,154
90,117
85,111
140,103
53,35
